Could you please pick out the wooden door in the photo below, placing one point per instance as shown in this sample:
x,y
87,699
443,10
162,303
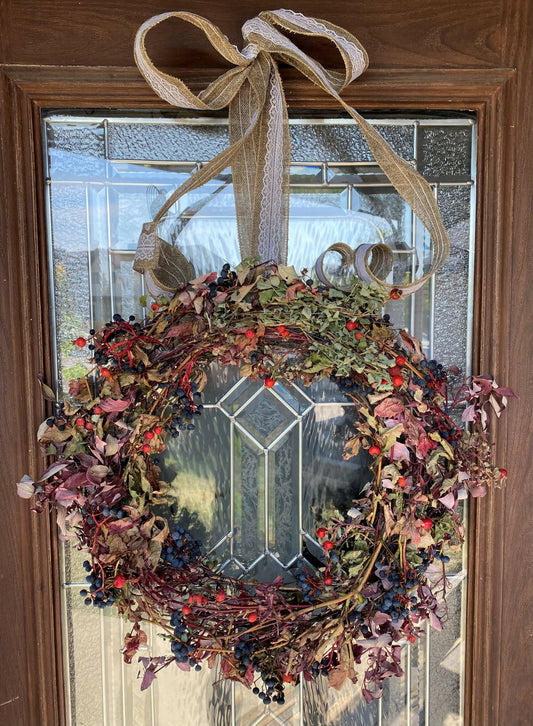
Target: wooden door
x,y
424,55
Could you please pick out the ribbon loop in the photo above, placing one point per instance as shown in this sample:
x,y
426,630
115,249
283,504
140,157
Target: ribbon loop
x,y
259,151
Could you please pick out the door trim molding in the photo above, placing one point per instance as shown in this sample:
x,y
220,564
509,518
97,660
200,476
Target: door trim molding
x,y
498,669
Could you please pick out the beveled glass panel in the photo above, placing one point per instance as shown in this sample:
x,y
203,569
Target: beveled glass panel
x,y
249,499
326,476
295,396
344,142
239,395
283,497
451,331
249,495
164,141
445,663
83,630
445,152
265,417
197,467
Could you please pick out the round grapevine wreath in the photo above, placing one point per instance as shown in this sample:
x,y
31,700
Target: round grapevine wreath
x,y
382,573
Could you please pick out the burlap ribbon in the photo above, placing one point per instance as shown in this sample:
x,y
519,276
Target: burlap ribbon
x,y
259,150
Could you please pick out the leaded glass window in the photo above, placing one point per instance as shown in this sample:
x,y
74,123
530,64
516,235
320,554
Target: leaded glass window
x,y
261,460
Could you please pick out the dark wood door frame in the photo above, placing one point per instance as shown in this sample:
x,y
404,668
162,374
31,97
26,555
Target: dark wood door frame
x,y
499,670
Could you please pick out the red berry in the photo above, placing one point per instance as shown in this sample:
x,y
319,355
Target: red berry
x,y
285,334
358,336
411,638
154,307
80,421
287,678
158,430
186,610
252,617
395,294
397,380
97,410
321,532
220,596
374,451
89,426
503,473
149,435
328,545
395,371
427,523
401,481
119,581
328,580
105,372
146,448
281,329
351,325
250,333
269,382
400,360
80,342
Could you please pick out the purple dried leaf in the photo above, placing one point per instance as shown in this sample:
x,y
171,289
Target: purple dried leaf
x,y
111,405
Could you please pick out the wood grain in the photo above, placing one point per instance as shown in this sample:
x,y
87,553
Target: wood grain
x,y
410,33
426,55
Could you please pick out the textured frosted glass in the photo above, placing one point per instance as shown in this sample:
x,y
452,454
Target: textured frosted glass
x,y
445,152
344,142
249,500
71,276
284,485
451,282
175,142
201,142
265,418
75,150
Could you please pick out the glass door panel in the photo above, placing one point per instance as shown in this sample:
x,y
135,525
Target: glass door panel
x,y
273,456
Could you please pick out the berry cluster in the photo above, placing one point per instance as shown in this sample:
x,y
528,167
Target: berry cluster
x,y
181,649
100,594
185,406
181,550
225,279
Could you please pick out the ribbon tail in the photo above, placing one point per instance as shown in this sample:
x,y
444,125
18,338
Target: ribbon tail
x,y
415,190
247,163
273,232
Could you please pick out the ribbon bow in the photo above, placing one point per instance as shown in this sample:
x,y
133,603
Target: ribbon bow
x,y
259,150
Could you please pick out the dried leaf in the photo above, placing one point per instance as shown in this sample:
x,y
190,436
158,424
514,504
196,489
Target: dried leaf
x,y
111,405
47,392
391,407
25,487
337,677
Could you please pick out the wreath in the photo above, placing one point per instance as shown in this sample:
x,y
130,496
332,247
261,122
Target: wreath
x,y
382,572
